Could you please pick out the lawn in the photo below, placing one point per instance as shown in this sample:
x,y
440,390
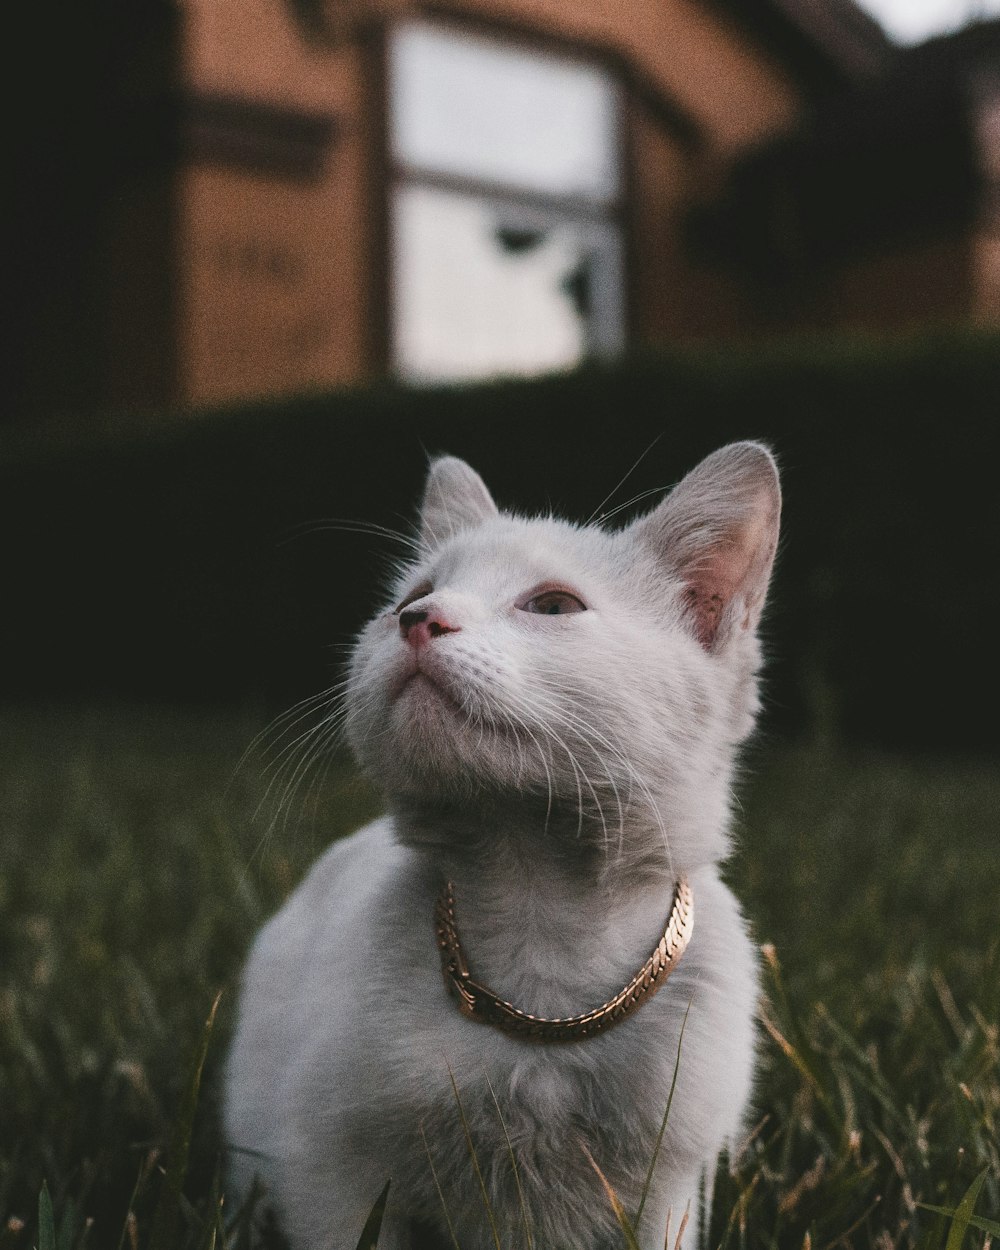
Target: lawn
x,y
137,859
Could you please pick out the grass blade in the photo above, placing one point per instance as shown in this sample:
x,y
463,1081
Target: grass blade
x,y
210,1232
666,1116
475,1162
683,1228
145,1167
513,1163
168,1206
963,1216
239,1228
437,1186
798,1050
963,1213
46,1220
621,1215
373,1225
979,1222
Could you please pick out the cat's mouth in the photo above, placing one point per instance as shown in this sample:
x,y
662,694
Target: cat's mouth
x,y
428,690
417,683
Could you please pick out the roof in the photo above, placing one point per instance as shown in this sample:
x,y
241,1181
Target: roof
x,y
891,159
828,45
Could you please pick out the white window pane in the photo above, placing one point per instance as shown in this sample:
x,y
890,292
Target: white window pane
x,y
475,107
482,289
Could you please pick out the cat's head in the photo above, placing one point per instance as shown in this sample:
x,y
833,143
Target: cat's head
x,y
602,678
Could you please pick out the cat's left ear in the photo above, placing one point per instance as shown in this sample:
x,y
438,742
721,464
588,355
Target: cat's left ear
x,y
717,531
455,499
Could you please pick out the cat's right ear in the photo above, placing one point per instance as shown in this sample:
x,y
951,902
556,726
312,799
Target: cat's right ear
x,y
455,499
717,531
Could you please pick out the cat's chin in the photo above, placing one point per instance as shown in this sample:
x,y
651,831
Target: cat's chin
x,y
421,703
426,723
424,694
431,746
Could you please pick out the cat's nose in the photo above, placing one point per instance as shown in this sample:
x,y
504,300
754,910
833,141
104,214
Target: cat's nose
x,y
419,625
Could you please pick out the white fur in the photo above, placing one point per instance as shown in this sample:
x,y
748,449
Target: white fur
x,y
563,771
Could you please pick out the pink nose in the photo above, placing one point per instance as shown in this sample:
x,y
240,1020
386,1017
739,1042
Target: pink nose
x,y
419,625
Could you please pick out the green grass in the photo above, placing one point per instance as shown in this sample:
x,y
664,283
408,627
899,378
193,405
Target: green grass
x,y
133,875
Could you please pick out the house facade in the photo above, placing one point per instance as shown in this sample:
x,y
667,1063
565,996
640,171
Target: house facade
x,y
299,194
487,187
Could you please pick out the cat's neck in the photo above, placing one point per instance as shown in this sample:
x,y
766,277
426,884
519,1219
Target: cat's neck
x,y
545,918
512,841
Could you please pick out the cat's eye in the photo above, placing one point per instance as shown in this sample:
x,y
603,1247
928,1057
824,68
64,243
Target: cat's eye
x,y
553,603
423,589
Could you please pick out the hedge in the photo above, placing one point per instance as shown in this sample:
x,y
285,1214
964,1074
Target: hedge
x,y
187,560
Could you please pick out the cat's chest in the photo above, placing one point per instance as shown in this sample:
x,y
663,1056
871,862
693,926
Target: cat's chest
x,y
551,1106
445,1078
466,1078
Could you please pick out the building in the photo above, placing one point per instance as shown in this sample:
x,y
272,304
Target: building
x,y
879,211
233,198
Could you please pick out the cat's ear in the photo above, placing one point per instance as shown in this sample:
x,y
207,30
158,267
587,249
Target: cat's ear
x,y
717,531
455,499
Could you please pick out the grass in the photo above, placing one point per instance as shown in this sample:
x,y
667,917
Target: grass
x,y
133,875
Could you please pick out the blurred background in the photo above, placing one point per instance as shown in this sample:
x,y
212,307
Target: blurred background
x,y
266,256
269,254
221,200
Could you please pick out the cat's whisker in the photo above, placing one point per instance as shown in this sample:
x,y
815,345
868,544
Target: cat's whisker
x,y
286,777
330,694
548,732
590,735
617,487
318,745
277,764
552,713
589,738
304,706
344,525
297,759
622,507
578,773
518,722
322,710
277,784
634,777
323,756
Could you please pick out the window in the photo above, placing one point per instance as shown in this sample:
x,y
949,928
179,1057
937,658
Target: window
x,y
506,249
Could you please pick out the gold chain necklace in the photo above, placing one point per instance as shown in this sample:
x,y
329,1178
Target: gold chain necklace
x,y
479,1003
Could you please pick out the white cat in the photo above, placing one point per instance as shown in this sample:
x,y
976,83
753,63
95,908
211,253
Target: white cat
x,y
553,713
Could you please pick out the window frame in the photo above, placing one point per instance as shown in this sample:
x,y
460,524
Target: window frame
x,y
392,173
